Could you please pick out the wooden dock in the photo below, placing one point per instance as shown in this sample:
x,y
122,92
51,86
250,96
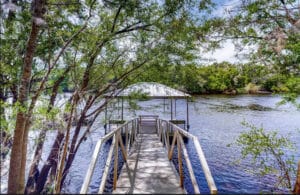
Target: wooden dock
x,y
150,170
146,147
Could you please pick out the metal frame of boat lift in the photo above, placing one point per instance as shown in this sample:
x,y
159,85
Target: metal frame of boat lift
x,y
154,91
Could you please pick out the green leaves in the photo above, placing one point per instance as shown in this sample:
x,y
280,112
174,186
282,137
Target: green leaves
x,y
206,4
267,153
253,8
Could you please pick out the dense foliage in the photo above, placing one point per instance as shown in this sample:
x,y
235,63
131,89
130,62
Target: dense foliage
x,y
221,78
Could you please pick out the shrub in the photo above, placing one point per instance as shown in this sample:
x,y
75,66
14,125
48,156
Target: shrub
x,y
252,88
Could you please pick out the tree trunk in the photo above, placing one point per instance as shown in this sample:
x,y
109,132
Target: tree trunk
x,y
297,184
24,154
51,177
57,187
71,155
51,161
14,91
33,173
75,138
17,154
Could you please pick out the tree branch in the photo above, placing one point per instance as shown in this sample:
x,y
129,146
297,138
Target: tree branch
x,y
116,18
142,27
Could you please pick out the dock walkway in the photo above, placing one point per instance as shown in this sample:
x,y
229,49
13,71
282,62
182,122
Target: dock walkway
x,y
151,171
145,145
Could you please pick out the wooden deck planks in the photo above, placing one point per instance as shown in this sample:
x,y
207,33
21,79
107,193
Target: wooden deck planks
x,y
150,170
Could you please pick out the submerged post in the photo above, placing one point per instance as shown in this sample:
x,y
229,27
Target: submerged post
x,y
105,118
175,107
187,114
118,106
171,108
122,113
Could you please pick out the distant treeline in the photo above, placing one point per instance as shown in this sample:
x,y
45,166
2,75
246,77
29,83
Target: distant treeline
x,y
218,78
221,78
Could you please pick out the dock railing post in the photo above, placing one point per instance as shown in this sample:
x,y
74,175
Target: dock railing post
x,y
179,160
168,135
116,162
122,147
87,179
126,136
189,166
139,126
129,137
172,146
132,132
107,165
205,168
177,137
156,124
159,128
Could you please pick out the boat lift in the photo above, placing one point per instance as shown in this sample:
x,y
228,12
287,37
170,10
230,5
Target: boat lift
x,y
154,91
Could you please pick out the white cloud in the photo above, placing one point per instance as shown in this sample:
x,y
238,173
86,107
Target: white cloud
x,y
225,7
226,53
229,53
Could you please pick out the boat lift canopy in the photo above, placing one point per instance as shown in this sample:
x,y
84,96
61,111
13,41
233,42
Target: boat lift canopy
x,y
157,91
153,90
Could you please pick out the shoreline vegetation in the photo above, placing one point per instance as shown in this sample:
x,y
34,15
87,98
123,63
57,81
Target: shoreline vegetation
x,y
226,92
218,78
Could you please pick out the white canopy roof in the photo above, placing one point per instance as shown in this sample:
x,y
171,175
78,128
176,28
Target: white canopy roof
x,y
154,90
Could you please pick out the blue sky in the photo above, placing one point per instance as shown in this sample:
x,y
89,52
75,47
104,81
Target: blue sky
x,y
227,51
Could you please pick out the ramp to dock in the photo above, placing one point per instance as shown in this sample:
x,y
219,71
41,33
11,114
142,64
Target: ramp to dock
x,y
150,171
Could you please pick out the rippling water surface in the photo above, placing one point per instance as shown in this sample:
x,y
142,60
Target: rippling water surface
x,y
216,121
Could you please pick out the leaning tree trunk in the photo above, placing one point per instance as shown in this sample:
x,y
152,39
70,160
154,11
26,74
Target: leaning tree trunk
x,y
71,155
51,161
33,172
297,184
15,179
59,175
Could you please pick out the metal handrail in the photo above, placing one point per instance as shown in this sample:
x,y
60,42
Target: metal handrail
x,y
177,137
117,140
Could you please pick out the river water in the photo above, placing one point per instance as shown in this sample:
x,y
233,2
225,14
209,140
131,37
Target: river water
x,y
216,121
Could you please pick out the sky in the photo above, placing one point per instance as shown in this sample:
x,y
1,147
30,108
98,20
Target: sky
x,y
227,51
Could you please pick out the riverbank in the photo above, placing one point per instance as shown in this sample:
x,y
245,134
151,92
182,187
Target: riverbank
x,y
235,92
